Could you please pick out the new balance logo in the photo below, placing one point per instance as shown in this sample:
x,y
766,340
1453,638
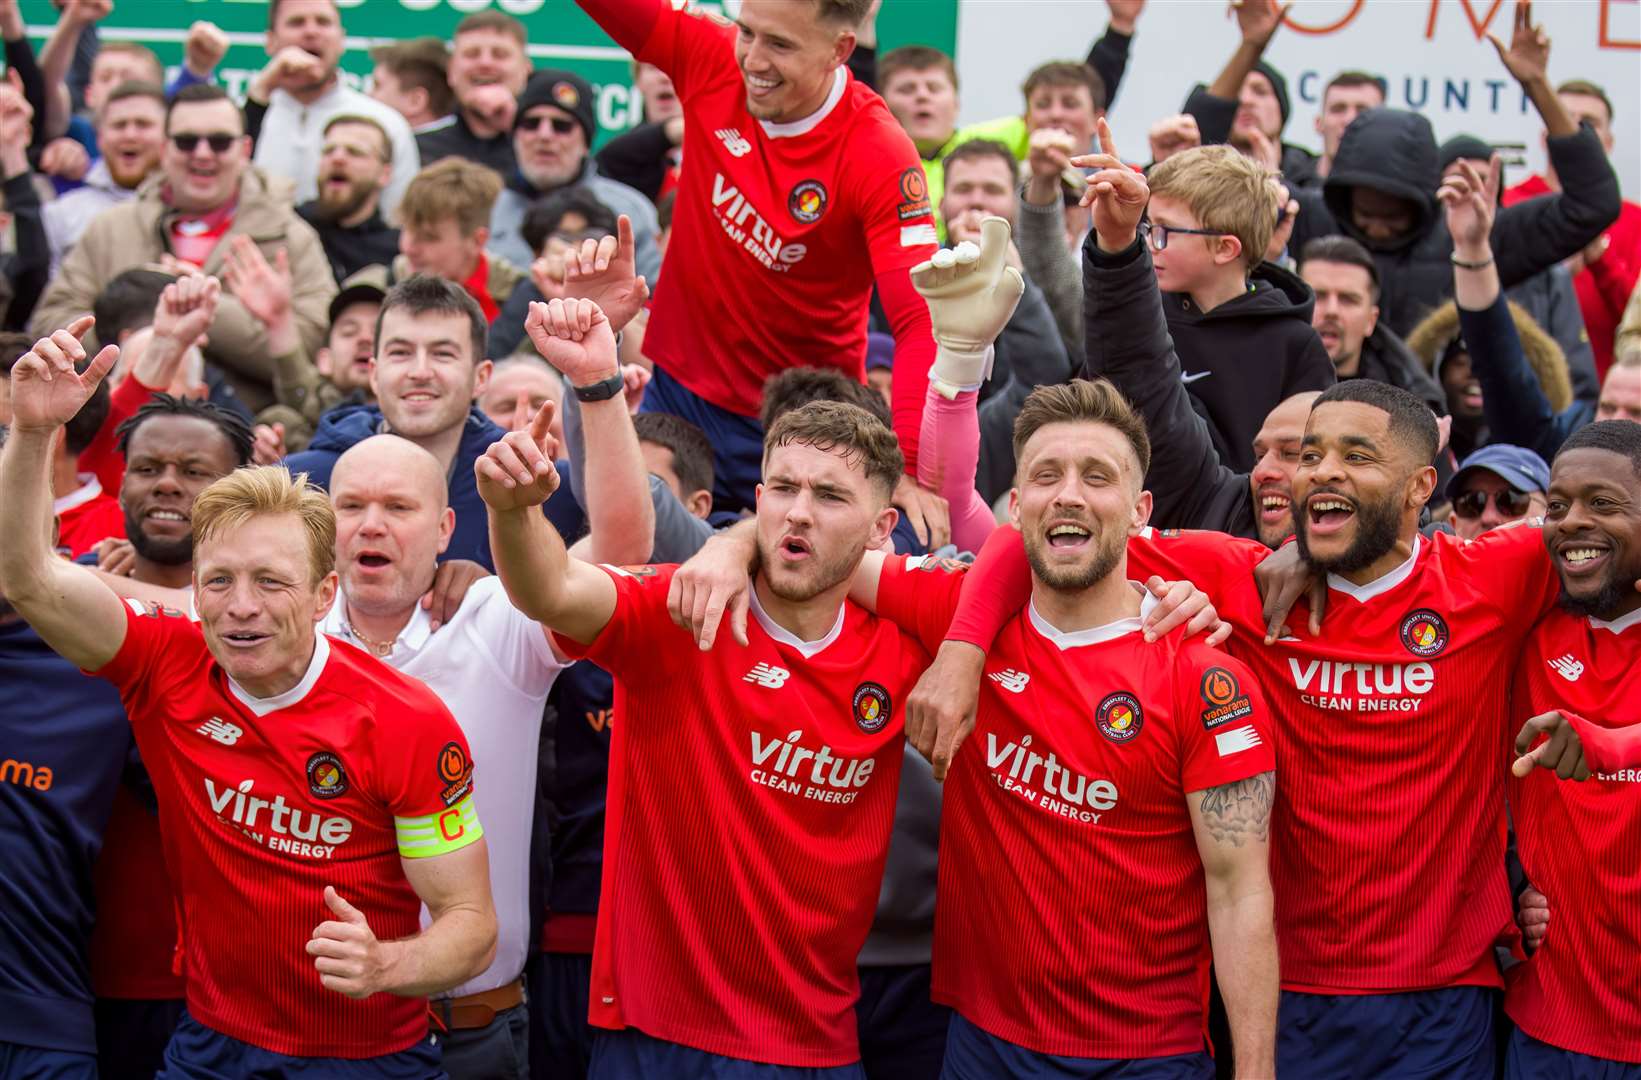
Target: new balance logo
x,y
1237,740
733,142
1567,667
223,732
767,676
1009,679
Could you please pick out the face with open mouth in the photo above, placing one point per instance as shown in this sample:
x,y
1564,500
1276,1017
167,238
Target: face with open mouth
x,y
392,523
817,514
345,357
1592,528
660,96
131,136
924,102
202,179
169,460
1076,500
258,600
1351,488
487,57
1276,459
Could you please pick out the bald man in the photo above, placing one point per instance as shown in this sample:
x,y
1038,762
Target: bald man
x,y
491,665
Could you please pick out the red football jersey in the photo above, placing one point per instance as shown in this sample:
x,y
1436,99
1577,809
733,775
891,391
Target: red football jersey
x,y
89,521
1071,917
778,229
1580,844
751,795
265,802
1387,843
134,941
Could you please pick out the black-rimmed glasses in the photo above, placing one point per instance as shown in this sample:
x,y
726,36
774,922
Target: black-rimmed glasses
x,y
1157,235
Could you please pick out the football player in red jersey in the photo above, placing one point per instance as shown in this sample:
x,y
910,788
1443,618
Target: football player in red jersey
x,y
799,194
302,833
1576,1002
1386,859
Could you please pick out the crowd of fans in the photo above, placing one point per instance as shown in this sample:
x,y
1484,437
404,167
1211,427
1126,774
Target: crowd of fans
x,y
376,290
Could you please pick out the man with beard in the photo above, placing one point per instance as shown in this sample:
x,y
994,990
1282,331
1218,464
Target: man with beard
x,y
355,166
130,138
174,448
290,103
1387,857
1573,1001
789,743
553,133
1180,731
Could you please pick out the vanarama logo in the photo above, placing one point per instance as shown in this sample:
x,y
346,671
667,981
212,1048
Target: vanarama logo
x,y
1222,698
1046,783
787,765
25,774
289,829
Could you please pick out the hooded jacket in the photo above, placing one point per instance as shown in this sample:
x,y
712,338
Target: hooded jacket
x,y
1386,358
1430,340
346,425
1395,152
507,217
1247,355
137,233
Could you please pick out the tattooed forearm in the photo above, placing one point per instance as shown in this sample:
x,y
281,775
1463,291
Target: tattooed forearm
x,y
1234,812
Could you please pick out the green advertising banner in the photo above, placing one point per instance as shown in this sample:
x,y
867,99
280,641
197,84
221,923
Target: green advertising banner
x,y
561,35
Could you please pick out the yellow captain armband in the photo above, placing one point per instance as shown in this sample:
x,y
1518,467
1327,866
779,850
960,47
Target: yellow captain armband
x,y
439,834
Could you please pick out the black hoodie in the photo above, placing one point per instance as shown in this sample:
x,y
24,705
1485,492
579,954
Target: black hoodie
x,y
1395,152
1247,355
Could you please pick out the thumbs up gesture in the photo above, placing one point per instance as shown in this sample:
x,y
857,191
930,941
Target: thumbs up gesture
x,y
345,952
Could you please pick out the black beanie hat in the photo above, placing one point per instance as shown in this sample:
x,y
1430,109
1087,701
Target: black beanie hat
x,y
1280,86
564,90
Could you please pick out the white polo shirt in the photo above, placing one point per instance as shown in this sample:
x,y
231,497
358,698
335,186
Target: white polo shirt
x,y
492,667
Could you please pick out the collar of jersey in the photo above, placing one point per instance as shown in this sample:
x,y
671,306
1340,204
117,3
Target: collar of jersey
x,y
809,123
264,706
413,637
1379,585
1620,624
1076,639
809,649
90,487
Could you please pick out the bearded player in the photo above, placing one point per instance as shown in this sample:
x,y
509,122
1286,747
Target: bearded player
x,y
1386,851
1576,1002
800,194
311,799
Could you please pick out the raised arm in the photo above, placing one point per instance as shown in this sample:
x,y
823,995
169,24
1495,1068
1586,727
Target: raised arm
x,y
1109,55
1214,106
1232,825
1533,235
1514,402
66,604
578,339
515,476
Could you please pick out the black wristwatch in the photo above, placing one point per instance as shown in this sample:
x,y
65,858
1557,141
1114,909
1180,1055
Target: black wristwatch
x,y
601,391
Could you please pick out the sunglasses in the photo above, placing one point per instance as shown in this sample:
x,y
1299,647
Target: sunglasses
x,y
219,143
1157,235
1510,502
559,124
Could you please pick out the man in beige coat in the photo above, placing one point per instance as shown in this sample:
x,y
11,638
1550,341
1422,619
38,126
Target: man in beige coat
x,y
205,193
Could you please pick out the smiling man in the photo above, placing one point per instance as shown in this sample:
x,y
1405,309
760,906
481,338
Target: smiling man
x,y
799,194
1386,923
206,192
1572,1000
283,799
302,93
130,140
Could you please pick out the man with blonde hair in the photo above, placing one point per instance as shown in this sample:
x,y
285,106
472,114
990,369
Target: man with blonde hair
x,y
289,813
1242,326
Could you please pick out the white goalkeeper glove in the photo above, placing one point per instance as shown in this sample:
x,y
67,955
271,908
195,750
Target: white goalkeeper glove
x,y
971,295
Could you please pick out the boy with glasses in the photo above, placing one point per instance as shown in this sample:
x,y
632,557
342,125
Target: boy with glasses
x,y
206,192
1241,326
